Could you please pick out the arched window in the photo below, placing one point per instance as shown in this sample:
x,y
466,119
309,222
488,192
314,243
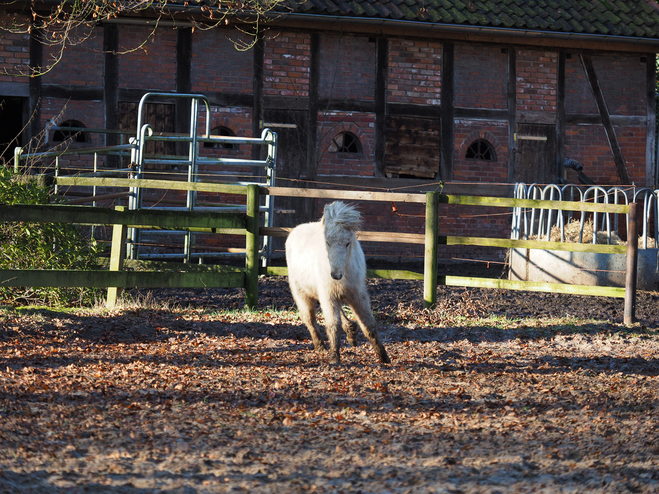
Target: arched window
x,y
74,135
221,131
481,150
345,142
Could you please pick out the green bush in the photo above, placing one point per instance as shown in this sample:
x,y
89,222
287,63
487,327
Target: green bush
x,y
42,246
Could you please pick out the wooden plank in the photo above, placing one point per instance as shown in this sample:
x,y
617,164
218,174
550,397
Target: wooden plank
x,y
489,114
535,286
651,120
142,265
393,274
618,157
511,96
389,274
233,223
380,96
74,181
537,204
419,239
560,116
537,244
412,185
447,114
349,195
121,279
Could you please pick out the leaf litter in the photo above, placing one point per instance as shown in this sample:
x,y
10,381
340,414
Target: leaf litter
x,y
491,391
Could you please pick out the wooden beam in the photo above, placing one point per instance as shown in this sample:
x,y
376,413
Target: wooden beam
x,y
87,215
618,157
511,92
35,83
560,116
650,143
381,64
111,85
353,195
534,286
121,279
447,112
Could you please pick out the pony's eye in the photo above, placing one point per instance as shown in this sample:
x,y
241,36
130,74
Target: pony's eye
x,y
348,244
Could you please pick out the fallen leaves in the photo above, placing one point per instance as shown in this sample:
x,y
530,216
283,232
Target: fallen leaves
x,y
217,401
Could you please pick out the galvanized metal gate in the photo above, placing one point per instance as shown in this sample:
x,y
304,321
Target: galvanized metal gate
x,y
186,159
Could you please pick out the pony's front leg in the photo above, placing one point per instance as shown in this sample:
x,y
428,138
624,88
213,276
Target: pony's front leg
x,y
332,312
307,309
350,328
361,307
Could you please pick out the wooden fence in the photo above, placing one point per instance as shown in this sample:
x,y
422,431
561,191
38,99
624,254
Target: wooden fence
x,y
197,276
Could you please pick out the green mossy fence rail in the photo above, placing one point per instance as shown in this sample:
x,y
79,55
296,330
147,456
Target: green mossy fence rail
x,y
204,276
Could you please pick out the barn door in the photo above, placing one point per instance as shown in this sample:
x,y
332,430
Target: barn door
x,y
535,156
160,116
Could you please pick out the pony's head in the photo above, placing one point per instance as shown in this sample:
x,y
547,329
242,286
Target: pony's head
x,y
340,222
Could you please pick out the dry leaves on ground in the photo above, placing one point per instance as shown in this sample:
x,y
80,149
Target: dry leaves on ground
x,y
195,399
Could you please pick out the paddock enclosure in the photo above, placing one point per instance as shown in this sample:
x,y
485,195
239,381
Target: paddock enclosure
x,y
188,214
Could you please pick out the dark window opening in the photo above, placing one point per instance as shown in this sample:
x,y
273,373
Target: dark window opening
x,y
481,150
225,132
345,142
75,134
11,125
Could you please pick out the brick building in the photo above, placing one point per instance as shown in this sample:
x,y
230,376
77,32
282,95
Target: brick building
x,y
379,95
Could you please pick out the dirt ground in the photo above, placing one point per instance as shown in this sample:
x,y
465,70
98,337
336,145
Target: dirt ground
x,y
558,397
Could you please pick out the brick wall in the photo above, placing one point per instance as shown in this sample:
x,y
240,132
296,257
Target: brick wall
x,y
619,77
362,126
239,120
218,66
286,64
578,95
347,67
90,113
588,144
481,76
469,170
414,71
14,54
147,60
80,67
536,80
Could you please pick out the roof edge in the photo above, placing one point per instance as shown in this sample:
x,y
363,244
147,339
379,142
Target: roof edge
x,y
463,29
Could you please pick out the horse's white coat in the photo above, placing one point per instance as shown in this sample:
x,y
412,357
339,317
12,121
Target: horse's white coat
x,y
326,264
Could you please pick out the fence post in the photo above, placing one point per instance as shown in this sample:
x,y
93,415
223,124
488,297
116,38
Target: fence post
x,y
632,265
252,248
430,253
117,257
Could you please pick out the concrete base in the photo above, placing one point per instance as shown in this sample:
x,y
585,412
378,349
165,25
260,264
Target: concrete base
x,y
583,268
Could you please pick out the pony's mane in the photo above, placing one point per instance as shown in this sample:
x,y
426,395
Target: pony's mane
x,y
339,214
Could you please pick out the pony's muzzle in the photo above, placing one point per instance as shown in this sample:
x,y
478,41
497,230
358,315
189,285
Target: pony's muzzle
x,y
336,276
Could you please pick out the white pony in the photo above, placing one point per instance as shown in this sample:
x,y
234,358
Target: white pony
x,y
326,264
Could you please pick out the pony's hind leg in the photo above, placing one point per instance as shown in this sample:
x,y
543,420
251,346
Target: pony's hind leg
x,y
361,307
307,309
350,328
332,313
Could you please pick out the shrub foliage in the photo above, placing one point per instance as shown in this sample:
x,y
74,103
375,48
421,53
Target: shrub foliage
x,y
41,246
